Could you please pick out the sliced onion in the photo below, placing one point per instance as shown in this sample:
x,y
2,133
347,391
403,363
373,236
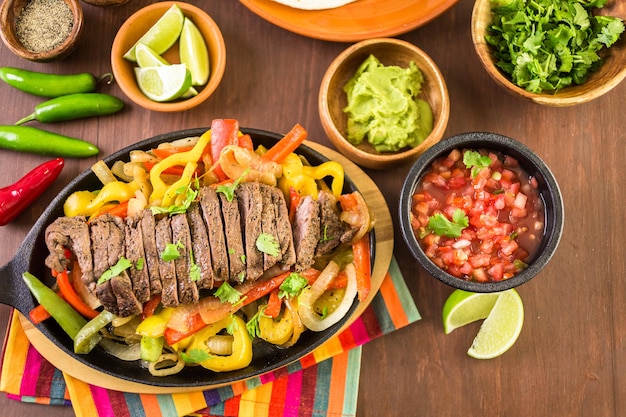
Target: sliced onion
x,y
298,327
121,350
307,298
220,344
167,364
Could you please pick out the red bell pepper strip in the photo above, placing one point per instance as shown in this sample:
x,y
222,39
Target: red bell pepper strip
x,y
15,198
361,256
288,144
119,210
69,294
224,132
274,304
38,314
151,305
245,141
294,201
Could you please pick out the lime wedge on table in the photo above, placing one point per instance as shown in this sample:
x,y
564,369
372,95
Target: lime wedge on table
x,y
163,34
503,313
164,83
194,53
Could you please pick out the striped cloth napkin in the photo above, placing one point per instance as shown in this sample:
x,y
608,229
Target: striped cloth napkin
x,y
323,383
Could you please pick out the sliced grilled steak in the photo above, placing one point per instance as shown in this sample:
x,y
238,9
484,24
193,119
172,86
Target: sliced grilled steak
x,y
70,233
135,253
283,229
332,228
148,235
249,196
100,229
306,232
167,269
187,290
104,292
200,246
127,304
234,242
211,211
268,225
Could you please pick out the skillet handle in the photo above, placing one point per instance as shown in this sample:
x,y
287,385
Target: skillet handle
x,y
13,290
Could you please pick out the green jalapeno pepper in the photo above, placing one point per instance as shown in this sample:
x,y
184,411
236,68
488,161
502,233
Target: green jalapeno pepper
x,y
74,106
48,85
31,139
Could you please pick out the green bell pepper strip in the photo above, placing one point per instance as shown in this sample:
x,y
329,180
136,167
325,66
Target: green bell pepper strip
x,y
151,348
68,318
33,140
48,85
74,106
89,335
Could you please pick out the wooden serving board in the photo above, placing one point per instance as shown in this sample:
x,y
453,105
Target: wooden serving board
x,y
383,229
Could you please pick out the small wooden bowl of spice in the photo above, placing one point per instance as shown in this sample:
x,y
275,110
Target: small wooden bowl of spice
x,y
41,30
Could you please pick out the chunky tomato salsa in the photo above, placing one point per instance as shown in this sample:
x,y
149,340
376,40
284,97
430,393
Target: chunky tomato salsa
x,y
478,215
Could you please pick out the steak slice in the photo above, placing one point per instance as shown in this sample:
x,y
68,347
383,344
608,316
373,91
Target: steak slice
x,y
70,233
200,246
148,235
332,228
306,232
100,230
249,196
135,253
127,304
283,229
167,269
211,211
268,226
181,236
234,240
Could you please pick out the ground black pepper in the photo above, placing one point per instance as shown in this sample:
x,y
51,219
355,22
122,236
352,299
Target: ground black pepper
x,y
44,24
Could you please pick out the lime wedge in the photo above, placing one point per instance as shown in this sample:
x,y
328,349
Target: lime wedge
x,y
503,313
501,328
146,57
164,83
163,34
464,307
194,53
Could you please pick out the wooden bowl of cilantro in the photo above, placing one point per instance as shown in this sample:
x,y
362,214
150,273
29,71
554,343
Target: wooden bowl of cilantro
x,y
554,62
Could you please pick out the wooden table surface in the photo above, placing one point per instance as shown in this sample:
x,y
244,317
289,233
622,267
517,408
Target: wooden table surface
x,y
570,359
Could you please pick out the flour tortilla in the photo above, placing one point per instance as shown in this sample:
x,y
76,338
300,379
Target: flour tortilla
x,y
314,4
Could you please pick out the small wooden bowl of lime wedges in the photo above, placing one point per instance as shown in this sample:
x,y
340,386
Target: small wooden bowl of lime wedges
x,y
168,56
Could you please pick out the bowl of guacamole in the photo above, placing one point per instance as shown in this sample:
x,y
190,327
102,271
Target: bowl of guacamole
x,y
383,102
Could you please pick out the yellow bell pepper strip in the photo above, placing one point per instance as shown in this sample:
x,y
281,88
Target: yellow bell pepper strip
x,y
155,325
276,331
89,335
86,203
302,178
172,193
327,169
241,355
160,187
69,319
75,204
287,145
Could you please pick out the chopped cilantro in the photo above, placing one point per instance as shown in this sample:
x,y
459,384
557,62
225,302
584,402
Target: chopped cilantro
x,y
121,265
190,196
267,243
171,252
232,327
226,293
140,264
475,161
229,189
546,45
195,356
325,237
292,285
194,269
440,225
252,325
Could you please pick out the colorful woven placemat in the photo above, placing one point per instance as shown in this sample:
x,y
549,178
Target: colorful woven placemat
x,y
323,383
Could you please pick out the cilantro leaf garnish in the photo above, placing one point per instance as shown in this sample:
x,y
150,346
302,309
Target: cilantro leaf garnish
x,y
440,225
195,356
171,252
475,161
252,325
267,243
229,189
190,196
121,265
227,294
292,285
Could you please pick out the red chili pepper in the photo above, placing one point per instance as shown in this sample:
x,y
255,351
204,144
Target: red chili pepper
x,y
15,198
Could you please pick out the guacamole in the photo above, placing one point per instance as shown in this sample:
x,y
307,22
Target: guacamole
x,y
383,106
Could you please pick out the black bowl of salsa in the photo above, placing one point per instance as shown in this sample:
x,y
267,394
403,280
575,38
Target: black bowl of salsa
x,y
481,212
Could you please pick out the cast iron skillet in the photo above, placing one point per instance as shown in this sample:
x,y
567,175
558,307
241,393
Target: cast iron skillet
x,y
32,252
